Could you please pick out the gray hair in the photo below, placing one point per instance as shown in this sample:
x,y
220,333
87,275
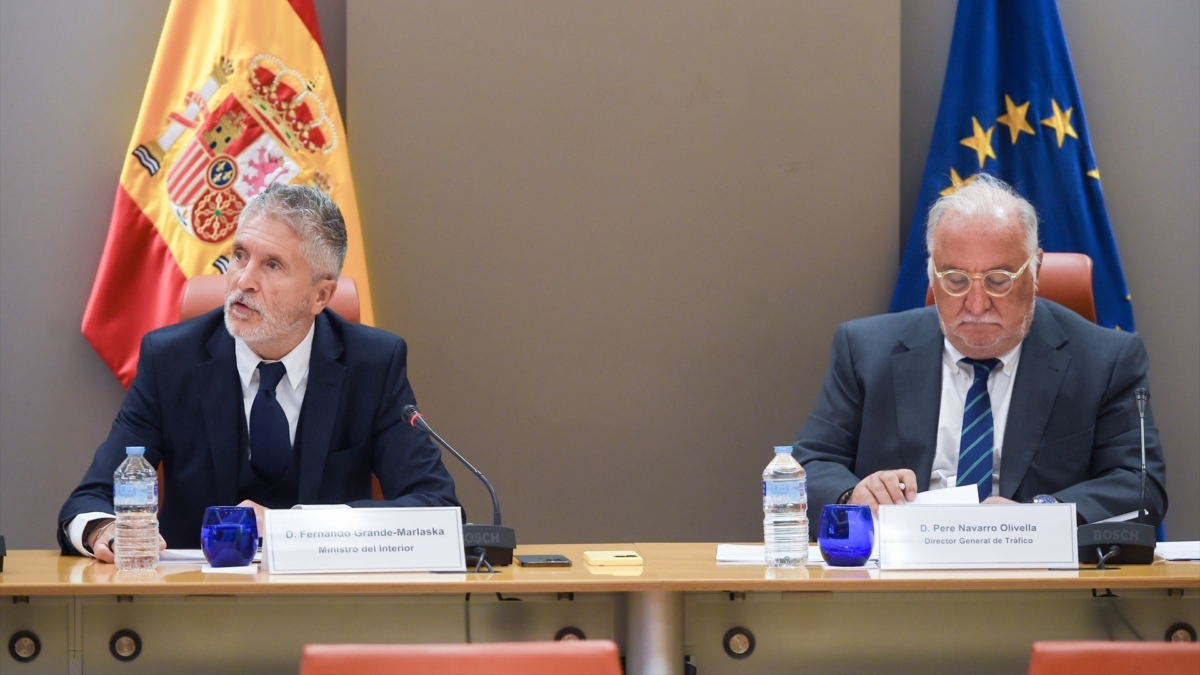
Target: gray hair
x,y
312,215
985,195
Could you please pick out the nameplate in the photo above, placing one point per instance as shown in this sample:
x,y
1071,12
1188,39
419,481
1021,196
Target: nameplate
x,y
423,539
985,536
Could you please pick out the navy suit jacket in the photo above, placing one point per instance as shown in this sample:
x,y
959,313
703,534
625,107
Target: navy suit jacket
x,y
185,407
1072,428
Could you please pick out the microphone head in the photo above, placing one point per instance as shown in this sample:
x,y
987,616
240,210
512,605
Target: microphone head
x,y
410,413
1142,395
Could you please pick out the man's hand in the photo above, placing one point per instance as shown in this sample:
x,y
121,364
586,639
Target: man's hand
x,y
997,500
99,542
259,509
883,487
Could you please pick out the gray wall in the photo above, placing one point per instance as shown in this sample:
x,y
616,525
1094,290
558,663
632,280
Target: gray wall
x,y
616,237
72,76
509,247
1138,68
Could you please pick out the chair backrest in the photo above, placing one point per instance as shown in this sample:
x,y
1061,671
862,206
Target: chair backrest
x,y
206,292
1114,658
571,657
1065,278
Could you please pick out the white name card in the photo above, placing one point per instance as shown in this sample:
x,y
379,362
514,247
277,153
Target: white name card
x,y
423,539
996,536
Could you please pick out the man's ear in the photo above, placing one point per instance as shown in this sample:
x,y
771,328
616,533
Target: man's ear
x,y
325,289
1039,271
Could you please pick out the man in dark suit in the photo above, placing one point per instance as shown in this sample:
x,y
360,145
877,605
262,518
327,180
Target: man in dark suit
x,y
992,387
269,402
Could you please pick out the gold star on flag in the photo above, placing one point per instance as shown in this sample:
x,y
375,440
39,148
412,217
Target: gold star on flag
x,y
980,141
956,183
1015,118
1094,173
1060,122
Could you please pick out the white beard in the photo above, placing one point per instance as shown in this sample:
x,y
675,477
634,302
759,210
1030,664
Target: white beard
x,y
274,324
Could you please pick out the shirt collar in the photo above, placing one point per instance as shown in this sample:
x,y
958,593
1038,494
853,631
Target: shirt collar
x,y
1008,360
296,361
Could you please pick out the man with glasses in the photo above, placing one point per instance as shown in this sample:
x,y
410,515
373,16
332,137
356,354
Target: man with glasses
x,y
993,387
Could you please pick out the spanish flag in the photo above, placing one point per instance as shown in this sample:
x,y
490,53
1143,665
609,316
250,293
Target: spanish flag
x,y
239,97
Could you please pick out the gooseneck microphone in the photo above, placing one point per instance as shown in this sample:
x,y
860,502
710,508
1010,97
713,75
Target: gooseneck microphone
x,y
416,419
1128,542
490,544
1142,395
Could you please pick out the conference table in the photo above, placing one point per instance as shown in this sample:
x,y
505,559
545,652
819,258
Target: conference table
x,y
681,611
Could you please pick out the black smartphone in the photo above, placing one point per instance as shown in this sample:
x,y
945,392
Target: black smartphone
x,y
552,560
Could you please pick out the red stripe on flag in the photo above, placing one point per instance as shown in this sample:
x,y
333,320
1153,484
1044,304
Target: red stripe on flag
x,y
308,14
185,165
138,288
192,190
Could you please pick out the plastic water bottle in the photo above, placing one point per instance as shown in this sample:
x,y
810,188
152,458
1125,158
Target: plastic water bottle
x,y
135,497
785,510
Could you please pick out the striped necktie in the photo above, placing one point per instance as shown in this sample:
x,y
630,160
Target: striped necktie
x,y
978,440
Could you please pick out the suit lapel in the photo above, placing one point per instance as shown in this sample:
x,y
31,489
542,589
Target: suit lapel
x,y
319,411
222,396
917,384
1039,376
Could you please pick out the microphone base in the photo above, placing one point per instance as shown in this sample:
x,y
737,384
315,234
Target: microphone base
x,y
1135,540
498,542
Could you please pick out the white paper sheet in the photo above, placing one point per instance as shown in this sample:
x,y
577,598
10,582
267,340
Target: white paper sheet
x,y
963,494
1122,518
189,556
1178,550
183,556
742,554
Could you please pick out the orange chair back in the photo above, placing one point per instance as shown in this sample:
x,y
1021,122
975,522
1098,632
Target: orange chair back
x,y
206,292
1114,658
573,657
1065,278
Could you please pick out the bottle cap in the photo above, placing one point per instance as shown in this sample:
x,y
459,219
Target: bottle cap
x,y
135,450
783,449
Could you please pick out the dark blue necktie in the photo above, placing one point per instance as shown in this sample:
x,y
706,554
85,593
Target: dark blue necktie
x,y
978,440
270,443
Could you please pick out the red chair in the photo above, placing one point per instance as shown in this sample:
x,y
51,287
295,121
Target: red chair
x,y
206,292
572,657
1114,658
1065,278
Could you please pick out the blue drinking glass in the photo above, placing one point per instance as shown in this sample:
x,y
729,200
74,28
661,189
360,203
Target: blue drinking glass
x,y
846,534
229,536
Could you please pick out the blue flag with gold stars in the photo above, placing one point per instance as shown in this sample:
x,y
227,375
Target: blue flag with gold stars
x,y
1010,107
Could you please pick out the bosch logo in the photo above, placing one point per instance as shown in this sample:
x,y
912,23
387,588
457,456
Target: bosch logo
x,y
1107,535
481,538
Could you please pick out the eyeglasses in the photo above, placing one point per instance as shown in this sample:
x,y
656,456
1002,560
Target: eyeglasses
x,y
996,283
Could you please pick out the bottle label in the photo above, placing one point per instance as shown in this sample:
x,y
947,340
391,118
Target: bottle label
x,y
142,493
784,491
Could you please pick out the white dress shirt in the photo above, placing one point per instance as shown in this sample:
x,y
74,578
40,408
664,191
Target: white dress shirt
x,y
289,393
956,381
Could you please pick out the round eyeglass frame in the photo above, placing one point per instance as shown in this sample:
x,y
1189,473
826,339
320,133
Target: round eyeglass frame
x,y
1012,278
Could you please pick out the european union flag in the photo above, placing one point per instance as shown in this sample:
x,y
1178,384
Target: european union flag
x,y
1010,107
